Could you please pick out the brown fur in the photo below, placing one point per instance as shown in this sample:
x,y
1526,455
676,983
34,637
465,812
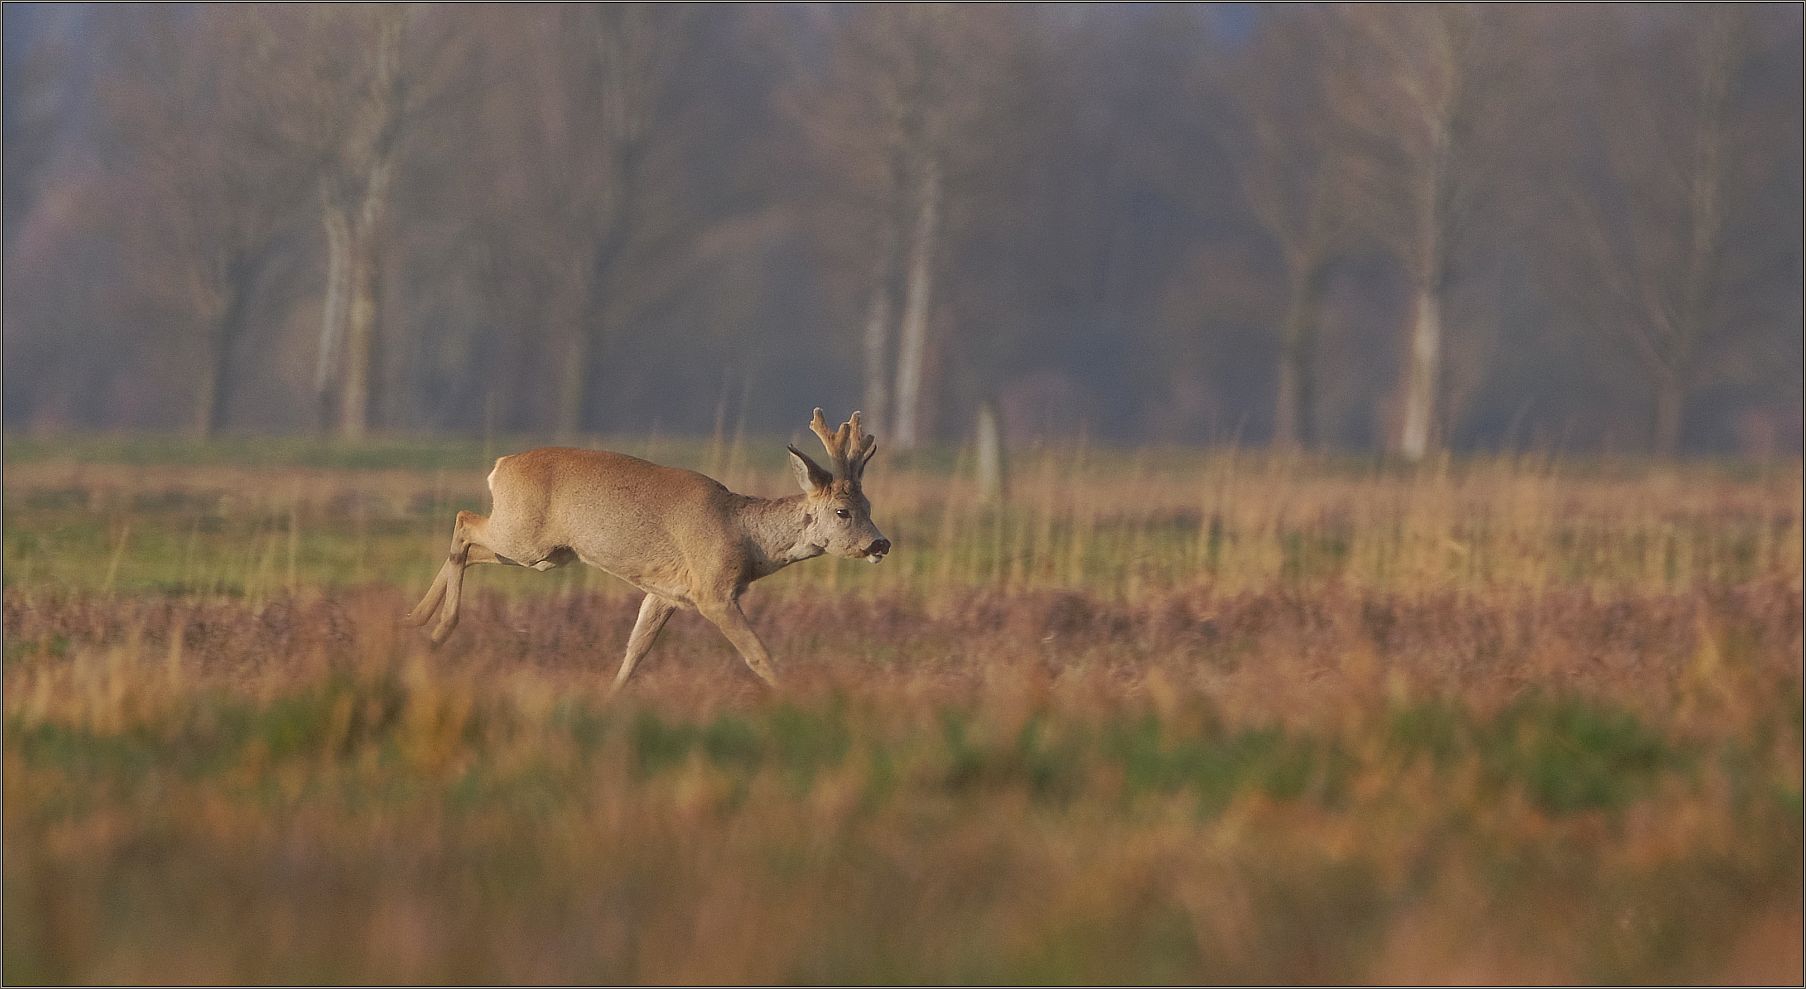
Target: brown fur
x,y
680,536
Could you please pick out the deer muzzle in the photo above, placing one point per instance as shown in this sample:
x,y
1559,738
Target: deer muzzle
x,y
876,550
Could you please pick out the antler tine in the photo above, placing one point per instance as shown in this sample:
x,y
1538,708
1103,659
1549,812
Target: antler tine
x,y
819,426
862,440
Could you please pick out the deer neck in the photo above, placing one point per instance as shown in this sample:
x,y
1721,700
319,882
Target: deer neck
x,y
774,527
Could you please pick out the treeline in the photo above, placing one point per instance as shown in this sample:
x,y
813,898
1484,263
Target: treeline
x,y
1386,227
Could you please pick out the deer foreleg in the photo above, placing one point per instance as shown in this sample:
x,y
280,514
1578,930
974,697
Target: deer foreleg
x,y
732,622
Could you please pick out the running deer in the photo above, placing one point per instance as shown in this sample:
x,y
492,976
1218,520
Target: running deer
x,y
681,537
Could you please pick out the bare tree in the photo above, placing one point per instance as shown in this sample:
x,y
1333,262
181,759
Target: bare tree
x,y
1300,174
1423,97
1659,257
357,87
882,107
902,116
851,120
211,195
607,210
606,110
359,82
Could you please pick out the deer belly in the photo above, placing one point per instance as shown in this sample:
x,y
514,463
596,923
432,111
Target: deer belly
x,y
665,581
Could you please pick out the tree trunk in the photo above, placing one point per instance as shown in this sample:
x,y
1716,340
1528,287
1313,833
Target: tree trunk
x,y
878,318
1294,418
214,395
358,391
918,299
1705,243
590,330
357,400
1429,267
993,471
1670,403
215,385
332,312
375,139
1420,376
574,379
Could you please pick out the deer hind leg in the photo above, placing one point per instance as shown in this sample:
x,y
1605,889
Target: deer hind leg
x,y
429,605
732,622
467,549
655,611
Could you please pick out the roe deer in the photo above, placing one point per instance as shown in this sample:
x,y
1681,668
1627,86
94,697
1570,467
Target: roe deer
x,y
681,537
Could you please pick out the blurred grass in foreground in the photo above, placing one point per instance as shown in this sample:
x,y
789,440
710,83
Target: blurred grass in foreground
x,y
1217,719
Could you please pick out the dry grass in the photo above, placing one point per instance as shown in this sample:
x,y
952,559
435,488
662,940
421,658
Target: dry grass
x,y
1214,719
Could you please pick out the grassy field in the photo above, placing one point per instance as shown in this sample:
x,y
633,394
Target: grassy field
x,y
1161,717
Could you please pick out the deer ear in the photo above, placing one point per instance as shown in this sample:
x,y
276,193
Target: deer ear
x,y
808,474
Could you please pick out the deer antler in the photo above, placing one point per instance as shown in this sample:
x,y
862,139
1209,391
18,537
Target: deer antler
x,y
829,441
848,446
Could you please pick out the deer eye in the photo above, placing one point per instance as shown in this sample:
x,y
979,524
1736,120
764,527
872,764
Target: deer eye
x,y
843,513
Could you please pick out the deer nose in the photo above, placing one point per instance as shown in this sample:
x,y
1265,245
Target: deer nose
x,y
878,548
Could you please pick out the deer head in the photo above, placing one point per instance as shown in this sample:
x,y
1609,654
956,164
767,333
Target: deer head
x,y
836,515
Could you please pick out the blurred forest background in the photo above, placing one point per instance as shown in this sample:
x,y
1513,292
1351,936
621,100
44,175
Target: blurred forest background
x,y
1361,228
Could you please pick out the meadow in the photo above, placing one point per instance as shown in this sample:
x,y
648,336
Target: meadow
x,y
1161,716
